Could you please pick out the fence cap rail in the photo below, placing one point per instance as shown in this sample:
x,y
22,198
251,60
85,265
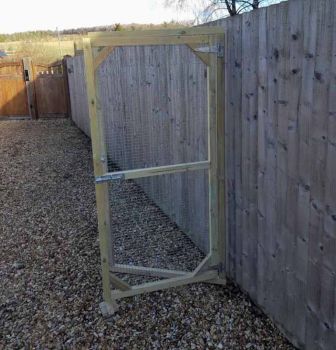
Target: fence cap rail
x,y
160,32
155,37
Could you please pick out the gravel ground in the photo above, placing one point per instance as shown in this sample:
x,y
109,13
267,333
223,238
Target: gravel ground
x,y
49,258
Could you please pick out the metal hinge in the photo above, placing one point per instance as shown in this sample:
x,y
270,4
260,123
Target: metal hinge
x,y
217,49
109,177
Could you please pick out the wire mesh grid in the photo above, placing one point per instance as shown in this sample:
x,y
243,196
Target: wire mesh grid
x,y
160,222
154,115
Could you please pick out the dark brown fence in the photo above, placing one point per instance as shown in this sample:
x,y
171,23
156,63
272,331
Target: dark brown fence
x,y
33,90
13,94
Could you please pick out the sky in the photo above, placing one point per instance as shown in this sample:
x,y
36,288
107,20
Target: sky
x,y
24,15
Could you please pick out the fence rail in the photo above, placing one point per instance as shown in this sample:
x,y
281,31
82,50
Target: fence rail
x,y
280,148
33,90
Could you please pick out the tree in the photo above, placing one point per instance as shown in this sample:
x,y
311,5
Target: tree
x,y
206,10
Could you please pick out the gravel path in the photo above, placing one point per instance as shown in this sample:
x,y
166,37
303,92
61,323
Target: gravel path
x,y
49,263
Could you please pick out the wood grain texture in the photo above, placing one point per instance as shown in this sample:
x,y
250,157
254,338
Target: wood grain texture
x,y
13,93
281,151
149,129
51,90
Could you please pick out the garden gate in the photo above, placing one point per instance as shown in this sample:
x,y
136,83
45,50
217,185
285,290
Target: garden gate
x,y
34,90
13,95
142,238
51,89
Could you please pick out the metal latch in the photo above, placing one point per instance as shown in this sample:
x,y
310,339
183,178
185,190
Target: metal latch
x,y
108,177
217,49
26,75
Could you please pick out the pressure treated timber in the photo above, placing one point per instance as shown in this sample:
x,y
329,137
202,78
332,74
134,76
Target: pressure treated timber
x,y
102,55
203,56
160,32
213,154
147,40
153,171
99,153
92,55
205,263
221,161
165,284
119,283
254,68
146,271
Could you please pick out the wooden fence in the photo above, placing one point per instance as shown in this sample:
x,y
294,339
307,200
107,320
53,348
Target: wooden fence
x,y
150,129
30,89
281,159
281,132
13,95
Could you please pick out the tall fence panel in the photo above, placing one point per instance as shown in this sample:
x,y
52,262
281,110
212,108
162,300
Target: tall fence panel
x,y
13,93
281,150
166,128
281,160
78,95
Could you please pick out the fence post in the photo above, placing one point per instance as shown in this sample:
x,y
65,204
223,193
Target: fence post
x,y
100,168
216,149
66,85
30,86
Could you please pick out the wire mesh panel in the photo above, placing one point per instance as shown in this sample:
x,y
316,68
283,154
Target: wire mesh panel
x,y
160,221
154,108
154,124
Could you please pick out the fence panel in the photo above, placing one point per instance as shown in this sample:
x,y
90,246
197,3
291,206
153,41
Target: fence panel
x,y
281,156
51,89
13,93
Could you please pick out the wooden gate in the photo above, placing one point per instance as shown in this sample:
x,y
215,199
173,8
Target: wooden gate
x,y
51,90
34,90
13,93
142,253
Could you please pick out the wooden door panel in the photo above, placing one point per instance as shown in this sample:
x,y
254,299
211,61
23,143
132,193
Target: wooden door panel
x,y
50,96
51,90
13,93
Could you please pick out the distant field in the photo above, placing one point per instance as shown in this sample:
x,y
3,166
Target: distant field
x,y
43,46
41,51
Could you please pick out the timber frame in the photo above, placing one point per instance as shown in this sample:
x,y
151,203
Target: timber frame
x,y
208,44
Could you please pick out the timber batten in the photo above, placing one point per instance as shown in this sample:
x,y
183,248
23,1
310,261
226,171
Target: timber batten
x,y
93,59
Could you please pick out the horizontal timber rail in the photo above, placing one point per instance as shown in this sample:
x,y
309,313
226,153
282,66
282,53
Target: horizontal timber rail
x,y
189,36
154,171
98,40
160,33
165,284
146,271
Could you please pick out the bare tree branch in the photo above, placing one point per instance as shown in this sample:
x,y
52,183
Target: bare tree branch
x,y
222,7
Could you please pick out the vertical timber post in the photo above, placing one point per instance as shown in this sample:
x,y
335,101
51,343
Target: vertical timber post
x,y
109,306
221,159
216,144
29,77
66,85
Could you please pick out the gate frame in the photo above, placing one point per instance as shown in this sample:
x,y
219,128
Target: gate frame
x,y
208,44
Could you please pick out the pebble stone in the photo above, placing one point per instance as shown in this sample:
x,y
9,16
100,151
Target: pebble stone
x,y
50,267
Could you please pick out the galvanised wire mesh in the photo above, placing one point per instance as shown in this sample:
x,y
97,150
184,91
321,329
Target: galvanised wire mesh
x,y
154,106
160,221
